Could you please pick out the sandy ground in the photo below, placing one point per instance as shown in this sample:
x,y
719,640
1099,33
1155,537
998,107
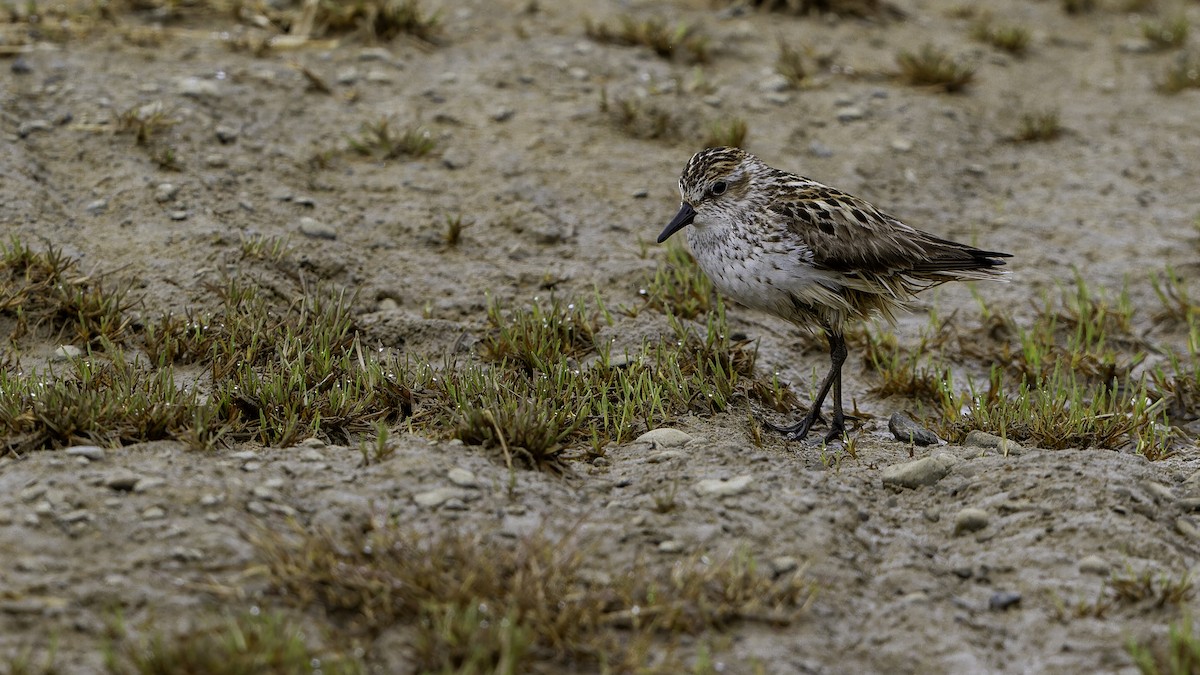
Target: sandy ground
x,y
562,201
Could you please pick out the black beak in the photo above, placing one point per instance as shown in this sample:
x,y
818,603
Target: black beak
x,y
681,220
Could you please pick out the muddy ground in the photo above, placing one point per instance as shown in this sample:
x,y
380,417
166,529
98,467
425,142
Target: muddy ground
x,y
561,200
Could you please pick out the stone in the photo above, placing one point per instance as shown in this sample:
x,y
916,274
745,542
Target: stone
x,y
908,431
850,114
227,134
122,481
165,192
96,207
197,87
503,114
919,473
970,520
670,546
665,437
902,145
154,513
982,439
1094,564
774,82
781,565
28,127
463,478
721,487
1003,600
438,496
92,453
66,353
311,227
818,149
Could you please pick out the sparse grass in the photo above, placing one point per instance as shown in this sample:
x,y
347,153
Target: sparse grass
x,y
1157,590
145,122
1011,38
901,372
731,133
790,64
654,33
1168,34
376,20
678,287
932,67
642,118
1183,73
454,229
476,604
379,140
246,644
1039,125
856,8
264,248
1179,655
46,291
1078,6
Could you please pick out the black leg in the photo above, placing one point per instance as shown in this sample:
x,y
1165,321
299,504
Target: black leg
x,y
837,356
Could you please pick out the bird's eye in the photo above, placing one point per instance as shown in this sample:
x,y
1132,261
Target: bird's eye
x,y
719,187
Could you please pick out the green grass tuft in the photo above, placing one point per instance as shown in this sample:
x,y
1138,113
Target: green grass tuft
x,y
932,67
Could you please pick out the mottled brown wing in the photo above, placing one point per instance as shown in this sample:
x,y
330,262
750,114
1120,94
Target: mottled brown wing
x,y
847,234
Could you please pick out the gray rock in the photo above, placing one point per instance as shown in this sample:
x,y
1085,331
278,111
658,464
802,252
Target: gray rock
x,y
781,565
775,82
503,114
970,520
1161,493
347,75
96,207
1094,564
455,158
121,481
79,515
665,456
93,453
819,149
919,473
982,439
165,192
902,145
850,114
66,353
1187,528
720,487
30,126
198,87
1003,600
374,54
216,161
778,98
463,478
154,513
311,227
907,431
20,66
664,437
437,497
227,134
181,214
670,546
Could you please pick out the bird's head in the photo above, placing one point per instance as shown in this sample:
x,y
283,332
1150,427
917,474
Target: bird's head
x,y
715,186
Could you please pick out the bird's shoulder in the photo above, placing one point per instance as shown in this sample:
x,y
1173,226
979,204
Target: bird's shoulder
x,y
841,230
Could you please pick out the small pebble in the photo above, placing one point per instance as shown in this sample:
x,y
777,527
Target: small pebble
x,y
66,353
902,145
93,453
503,114
154,513
1003,600
26,128
664,437
165,192
197,87
216,161
1094,564
819,149
122,481
96,207
720,487
918,473
970,520
670,546
311,227
178,215
982,439
781,565
907,431
20,66
226,134
463,478
850,113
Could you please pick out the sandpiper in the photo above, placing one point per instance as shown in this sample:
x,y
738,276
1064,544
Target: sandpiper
x,y
811,254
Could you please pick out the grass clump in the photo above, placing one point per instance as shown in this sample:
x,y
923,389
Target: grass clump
x,y
376,20
791,64
1008,37
1038,126
730,133
862,9
246,644
642,119
1077,6
145,122
476,604
1183,73
678,287
47,292
1164,35
1179,654
654,33
933,67
379,140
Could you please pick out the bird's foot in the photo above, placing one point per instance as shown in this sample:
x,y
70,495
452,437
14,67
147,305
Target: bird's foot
x,y
797,431
837,433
